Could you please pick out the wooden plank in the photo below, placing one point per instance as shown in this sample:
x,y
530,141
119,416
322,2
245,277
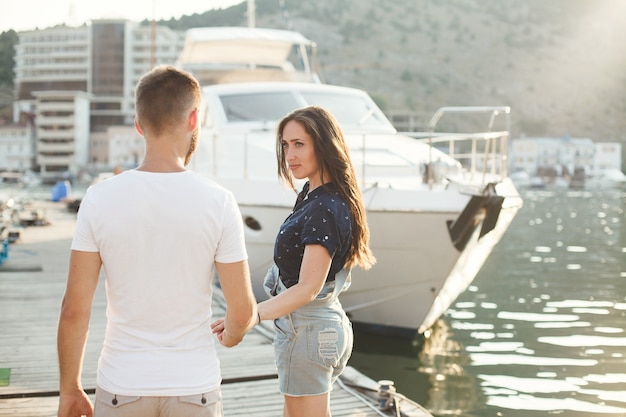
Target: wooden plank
x,y
29,309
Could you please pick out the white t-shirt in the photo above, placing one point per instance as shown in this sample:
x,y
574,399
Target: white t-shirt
x,y
158,235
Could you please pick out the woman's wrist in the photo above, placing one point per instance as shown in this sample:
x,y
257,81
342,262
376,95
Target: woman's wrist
x,y
258,315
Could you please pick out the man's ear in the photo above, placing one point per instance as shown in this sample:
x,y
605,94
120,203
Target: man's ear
x,y
194,119
138,128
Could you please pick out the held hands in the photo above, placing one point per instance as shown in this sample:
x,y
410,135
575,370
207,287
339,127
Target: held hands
x,y
218,327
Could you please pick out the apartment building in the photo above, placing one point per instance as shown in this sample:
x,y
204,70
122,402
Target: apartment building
x,y
79,81
52,59
551,156
62,131
17,150
555,157
117,146
608,156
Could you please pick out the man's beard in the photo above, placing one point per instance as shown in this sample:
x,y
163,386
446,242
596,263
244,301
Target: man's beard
x,y
192,146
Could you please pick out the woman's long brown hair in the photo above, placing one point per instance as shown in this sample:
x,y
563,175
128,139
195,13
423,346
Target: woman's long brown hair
x,y
333,159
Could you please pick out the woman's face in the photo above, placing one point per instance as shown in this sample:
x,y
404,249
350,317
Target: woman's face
x,y
299,151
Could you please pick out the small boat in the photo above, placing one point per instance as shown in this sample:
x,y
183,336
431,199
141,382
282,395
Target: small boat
x,y
437,203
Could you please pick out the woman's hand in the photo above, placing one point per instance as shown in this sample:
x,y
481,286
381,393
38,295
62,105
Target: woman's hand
x,y
217,326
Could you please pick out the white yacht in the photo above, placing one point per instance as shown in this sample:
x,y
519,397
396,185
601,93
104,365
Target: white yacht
x,y
437,203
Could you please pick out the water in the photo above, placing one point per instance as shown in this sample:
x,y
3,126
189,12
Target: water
x,y
541,330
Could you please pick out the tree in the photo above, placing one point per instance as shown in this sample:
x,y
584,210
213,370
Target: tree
x,y
8,40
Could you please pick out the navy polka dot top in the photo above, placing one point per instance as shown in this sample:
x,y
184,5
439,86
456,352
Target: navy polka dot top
x,y
321,218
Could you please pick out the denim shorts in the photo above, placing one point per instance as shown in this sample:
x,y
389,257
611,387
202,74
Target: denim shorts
x,y
312,346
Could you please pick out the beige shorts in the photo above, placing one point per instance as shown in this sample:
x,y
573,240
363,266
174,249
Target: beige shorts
x,y
201,405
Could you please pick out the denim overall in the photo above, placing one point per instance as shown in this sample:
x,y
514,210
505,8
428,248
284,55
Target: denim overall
x,y
312,344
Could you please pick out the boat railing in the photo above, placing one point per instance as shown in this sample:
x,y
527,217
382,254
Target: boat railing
x,y
484,155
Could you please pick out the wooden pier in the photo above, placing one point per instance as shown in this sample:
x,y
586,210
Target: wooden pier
x,y
32,283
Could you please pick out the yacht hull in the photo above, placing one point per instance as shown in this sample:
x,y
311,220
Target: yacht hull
x,y
419,270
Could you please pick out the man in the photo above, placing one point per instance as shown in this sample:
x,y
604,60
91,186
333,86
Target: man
x,y
157,231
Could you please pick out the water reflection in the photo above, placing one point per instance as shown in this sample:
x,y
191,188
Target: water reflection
x,y
452,390
541,330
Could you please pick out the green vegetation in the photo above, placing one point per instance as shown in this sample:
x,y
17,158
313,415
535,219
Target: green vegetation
x,y
7,57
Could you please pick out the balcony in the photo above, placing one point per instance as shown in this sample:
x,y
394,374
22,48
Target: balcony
x,y
43,121
44,134
55,160
44,147
56,106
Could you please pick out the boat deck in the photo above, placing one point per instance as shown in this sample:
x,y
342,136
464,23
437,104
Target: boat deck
x,y
32,282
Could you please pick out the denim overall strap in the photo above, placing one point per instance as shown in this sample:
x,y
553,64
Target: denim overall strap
x,y
330,291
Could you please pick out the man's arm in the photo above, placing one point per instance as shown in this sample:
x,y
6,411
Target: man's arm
x,y
241,313
84,270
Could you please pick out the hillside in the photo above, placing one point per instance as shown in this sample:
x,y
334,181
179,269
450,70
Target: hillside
x,y
560,64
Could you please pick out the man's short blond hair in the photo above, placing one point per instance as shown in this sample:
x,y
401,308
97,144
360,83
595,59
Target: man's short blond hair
x,y
164,97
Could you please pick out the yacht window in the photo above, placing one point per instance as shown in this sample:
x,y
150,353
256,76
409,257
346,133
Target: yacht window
x,y
350,110
257,107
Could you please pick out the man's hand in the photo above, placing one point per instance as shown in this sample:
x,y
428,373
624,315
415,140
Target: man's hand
x,y
219,329
241,314
75,404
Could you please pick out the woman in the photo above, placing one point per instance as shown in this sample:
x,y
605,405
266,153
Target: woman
x,y
322,239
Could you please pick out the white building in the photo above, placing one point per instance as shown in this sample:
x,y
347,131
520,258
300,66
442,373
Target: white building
x,y
98,67
16,147
552,156
608,156
52,59
119,146
62,121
